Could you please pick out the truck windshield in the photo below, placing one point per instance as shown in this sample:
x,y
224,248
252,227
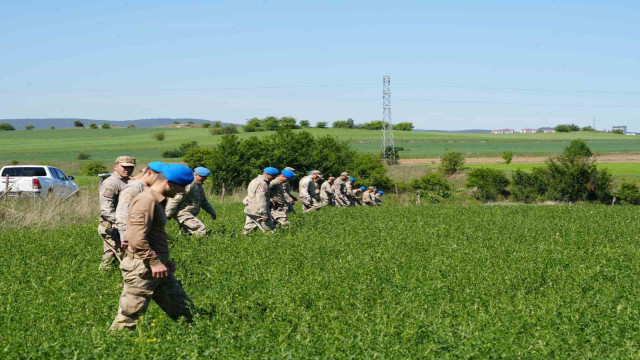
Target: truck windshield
x,y
24,171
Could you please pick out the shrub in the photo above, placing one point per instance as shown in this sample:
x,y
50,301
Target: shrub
x,y
617,131
171,154
367,169
131,126
321,125
52,128
451,162
176,122
403,126
29,127
629,193
490,184
344,124
587,128
229,129
14,162
305,124
93,126
432,183
83,156
106,125
181,151
507,155
528,187
562,128
78,123
6,127
190,122
94,168
372,125
206,125
158,135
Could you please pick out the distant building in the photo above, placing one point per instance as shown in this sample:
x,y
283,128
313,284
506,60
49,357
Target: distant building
x,y
502,131
528,131
621,127
546,130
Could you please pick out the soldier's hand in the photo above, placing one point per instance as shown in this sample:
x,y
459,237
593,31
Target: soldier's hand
x,y
124,244
213,216
159,271
172,266
265,218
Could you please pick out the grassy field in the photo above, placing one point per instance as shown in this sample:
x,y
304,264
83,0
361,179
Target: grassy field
x,y
62,146
409,282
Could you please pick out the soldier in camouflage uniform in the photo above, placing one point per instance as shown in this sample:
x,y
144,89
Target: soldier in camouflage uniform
x,y
325,192
257,205
368,197
291,200
378,198
338,189
134,187
109,191
308,196
185,207
146,267
277,196
351,191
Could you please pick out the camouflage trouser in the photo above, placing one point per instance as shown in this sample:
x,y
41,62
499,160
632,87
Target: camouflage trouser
x,y
140,287
255,222
310,204
341,201
108,257
192,224
327,201
280,217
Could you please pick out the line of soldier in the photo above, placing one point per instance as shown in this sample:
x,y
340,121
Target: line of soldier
x,y
269,197
134,213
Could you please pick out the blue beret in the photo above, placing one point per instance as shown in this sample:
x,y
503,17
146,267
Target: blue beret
x,y
202,171
352,179
178,174
310,172
363,188
288,174
381,192
271,171
156,166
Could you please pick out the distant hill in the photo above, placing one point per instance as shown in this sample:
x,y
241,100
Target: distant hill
x,y
19,124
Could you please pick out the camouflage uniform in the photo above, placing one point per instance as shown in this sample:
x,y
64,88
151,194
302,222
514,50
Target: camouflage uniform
x,y
377,200
339,197
367,198
307,190
279,202
185,207
109,192
325,194
258,206
148,246
128,193
350,193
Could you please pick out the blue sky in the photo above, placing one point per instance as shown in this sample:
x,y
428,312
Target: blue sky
x,y
459,65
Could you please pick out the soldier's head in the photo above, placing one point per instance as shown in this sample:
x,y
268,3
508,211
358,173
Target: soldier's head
x,y
270,173
315,175
286,175
331,179
372,189
352,180
124,165
151,173
173,179
201,174
344,176
380,193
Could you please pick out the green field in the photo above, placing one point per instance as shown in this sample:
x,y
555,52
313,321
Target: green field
x,y
390,282
63,145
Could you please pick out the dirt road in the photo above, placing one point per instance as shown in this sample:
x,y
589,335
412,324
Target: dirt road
x,y
522,160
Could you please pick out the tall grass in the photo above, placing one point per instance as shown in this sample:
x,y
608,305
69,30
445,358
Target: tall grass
x,y
47,213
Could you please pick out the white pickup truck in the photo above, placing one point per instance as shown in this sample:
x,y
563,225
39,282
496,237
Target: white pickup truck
x,y
35,181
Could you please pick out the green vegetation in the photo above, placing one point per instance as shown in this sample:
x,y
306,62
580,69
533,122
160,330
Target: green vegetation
x,y
94,168
270,123
6,127
507,155
83,156
518,281
488,184
181,151
451,162
78,123
629,193
29,127
159,135
93,126
105,125
321,125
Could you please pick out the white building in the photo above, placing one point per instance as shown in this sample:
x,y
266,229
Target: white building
x,y
502,131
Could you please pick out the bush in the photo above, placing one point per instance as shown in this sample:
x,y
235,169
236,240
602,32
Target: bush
x,y
94,168
321,125
451,162
29,127
181,151
629,193
432,183
52,128
229,129
528,187
158,135
587,128
106,125
131,126
93,126
78,123
206,125
490,184
6,127
346,124
507,155
14,162
305,124
562,128
83,156
617,131
368,170
403,126
372,125
176,122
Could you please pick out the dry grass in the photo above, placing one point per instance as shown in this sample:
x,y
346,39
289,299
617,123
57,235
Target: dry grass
x,y
47,213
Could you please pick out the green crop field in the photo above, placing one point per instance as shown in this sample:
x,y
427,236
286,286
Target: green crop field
x,y
63,145
390,282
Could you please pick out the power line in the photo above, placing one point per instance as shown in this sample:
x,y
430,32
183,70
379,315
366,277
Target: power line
x,y
520,89
519,104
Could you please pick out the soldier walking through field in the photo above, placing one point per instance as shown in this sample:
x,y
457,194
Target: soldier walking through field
x,y
109,191
307,189
278,198
339,196
257,205
325,192
186,206
146,267
134,187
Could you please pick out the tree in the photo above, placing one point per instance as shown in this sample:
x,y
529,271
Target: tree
x,y
6,127
489,183
94,168
507,155
321,125
403,126
206,125
629,193
131,126
158,135
106,125
373,125
344,124
288,122
451,162
93,126
617,131
562,128
176,122
305,124
432,182
78,124
587,128
29,127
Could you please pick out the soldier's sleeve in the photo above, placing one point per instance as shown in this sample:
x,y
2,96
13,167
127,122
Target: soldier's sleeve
x,y
262,193
206,205
138,227
304,189
172,205
108,202
122,213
